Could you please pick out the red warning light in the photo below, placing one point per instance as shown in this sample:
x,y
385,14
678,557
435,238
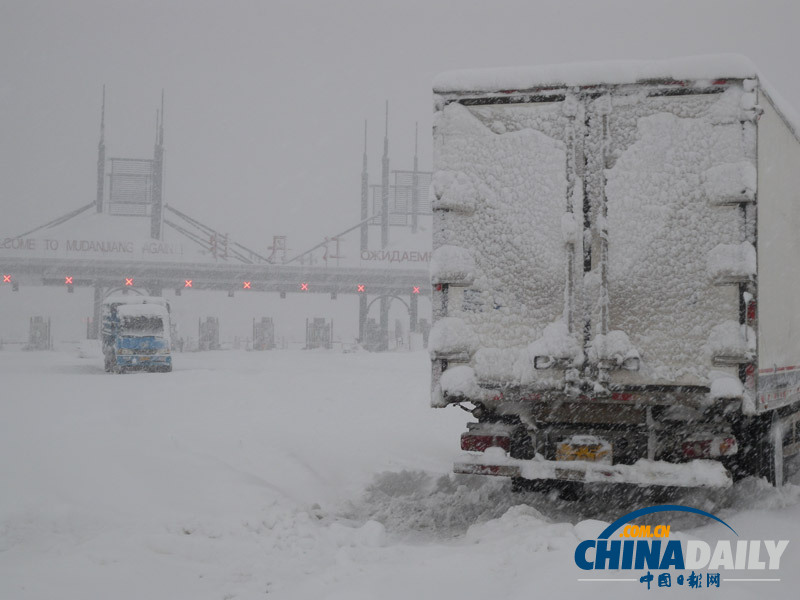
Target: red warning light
x,y
416,289
360,287
245,285
129,281
68,280
188,283
304,287
6,278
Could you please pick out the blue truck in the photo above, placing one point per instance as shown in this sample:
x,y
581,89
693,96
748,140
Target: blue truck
x,y
136,334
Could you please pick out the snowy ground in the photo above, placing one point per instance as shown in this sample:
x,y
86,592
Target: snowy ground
x,y
290,475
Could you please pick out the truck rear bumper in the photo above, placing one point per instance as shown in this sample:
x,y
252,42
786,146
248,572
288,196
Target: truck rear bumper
x,y
144,360
644,473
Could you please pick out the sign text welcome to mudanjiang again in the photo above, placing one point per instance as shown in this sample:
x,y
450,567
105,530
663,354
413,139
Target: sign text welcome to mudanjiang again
x,y
105,248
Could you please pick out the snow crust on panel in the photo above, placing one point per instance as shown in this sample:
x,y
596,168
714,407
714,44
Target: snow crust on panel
x,y
732,181
732,260
569,228
630,107
515,232
497,364
724,385
661,230
709,67
451,335
556,341
455,191
614,346
461,381
452,264
727,107
731,339
547,117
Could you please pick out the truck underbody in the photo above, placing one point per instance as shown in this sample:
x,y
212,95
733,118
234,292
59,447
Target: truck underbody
x,y
627,441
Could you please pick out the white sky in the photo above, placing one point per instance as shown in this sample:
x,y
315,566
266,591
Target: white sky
x,y
266,100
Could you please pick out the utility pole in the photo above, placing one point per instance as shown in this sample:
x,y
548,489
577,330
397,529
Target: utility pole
x,y
385,185
158,176
101,156
364,198
415,183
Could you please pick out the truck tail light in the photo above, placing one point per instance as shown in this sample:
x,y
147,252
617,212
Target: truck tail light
x,y
476,442
710,448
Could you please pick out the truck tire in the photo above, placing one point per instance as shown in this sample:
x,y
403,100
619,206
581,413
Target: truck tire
x,y
772,464
760,449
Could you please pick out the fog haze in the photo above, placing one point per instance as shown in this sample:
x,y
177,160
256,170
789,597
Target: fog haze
x,y
266,101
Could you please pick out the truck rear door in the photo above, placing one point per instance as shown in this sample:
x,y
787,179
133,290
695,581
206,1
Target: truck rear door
x,y
504,184
664,232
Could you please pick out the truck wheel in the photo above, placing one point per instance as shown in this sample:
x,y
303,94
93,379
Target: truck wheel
x,y
761,449
772,461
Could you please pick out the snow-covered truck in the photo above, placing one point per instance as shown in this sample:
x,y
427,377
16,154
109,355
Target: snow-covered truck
x,y
136,334
616,272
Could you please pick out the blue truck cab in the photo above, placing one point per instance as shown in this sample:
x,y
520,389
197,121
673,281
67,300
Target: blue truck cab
x,y
136,334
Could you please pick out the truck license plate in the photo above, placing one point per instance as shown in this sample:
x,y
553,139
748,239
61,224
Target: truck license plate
x,y
595,452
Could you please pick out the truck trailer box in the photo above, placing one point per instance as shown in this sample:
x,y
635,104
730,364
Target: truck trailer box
x,y
616,271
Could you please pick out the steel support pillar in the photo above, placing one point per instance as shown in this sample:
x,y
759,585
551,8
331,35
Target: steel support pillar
x,y
94,327
385,185
362,317
413,311
384,346
364,201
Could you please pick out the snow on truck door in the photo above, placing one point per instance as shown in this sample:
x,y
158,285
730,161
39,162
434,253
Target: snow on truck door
x,y
502,190
674,246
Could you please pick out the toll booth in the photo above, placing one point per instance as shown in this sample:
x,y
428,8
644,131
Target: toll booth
x,y
208,334
424,328
372,336
319,333
39,334
399,334
263,334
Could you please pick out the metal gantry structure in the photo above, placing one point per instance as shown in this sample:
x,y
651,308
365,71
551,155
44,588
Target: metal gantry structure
x,y
135,188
